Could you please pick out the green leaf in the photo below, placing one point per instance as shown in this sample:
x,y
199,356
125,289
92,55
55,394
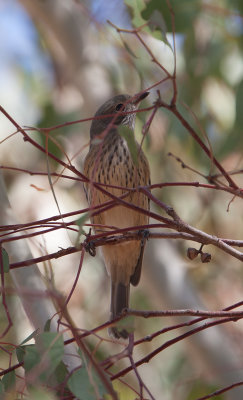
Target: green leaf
x,y
61,372
128,134
50,116
239,105
136,7
199,388
20,352
184,10
5,260
32,357
47,326
84,383
40,394
157,25
8,381
58,376
31,336
234,138
128,48
53,343
80,222
47,354
149,13
1,388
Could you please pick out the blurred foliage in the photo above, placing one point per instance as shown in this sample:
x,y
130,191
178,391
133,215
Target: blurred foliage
x,y
85,383
209,53
200,388
50,118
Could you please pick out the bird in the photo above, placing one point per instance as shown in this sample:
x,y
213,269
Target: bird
x,y
110,162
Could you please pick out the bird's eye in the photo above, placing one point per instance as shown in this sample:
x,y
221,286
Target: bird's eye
x,y
119,106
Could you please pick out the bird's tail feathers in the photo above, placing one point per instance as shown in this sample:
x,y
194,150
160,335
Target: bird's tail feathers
x,y
119,300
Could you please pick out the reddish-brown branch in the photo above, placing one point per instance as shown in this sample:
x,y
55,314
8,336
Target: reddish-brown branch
x,y
114,236
88,355
171,342
150,337
76,278
220,391
183,324
183,313
140,381
39,147
193,133
218,187
12,368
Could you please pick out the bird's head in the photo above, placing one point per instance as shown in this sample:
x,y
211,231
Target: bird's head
x,y
118,110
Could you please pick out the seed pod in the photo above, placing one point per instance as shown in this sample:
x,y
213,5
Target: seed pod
x,y
205,257
192,253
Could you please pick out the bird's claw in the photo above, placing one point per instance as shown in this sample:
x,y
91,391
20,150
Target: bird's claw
x,y
90,248
144,233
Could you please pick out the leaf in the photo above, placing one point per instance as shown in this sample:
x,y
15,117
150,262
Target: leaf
x,y
5,260
47,354
128,134
31,336
199,388
20,352
1,388
32,357
8,381
184,11
234,138
80,222
47,325
150,13
61,372
128,48
40,394
49,118
136,7
239,105
84,383
156,22
58,376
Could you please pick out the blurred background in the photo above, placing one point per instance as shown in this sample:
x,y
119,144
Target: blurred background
x,y
60,60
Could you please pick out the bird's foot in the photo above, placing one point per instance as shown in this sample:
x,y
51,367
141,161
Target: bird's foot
x,y
90,247
144,233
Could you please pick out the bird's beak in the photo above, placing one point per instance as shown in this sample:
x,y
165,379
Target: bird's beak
x,y
139,97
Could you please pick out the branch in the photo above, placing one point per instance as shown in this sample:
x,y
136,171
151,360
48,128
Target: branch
x,y
169,343
220,391
182,313
174,110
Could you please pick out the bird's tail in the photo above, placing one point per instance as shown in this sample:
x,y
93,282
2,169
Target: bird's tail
x,y
119,300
